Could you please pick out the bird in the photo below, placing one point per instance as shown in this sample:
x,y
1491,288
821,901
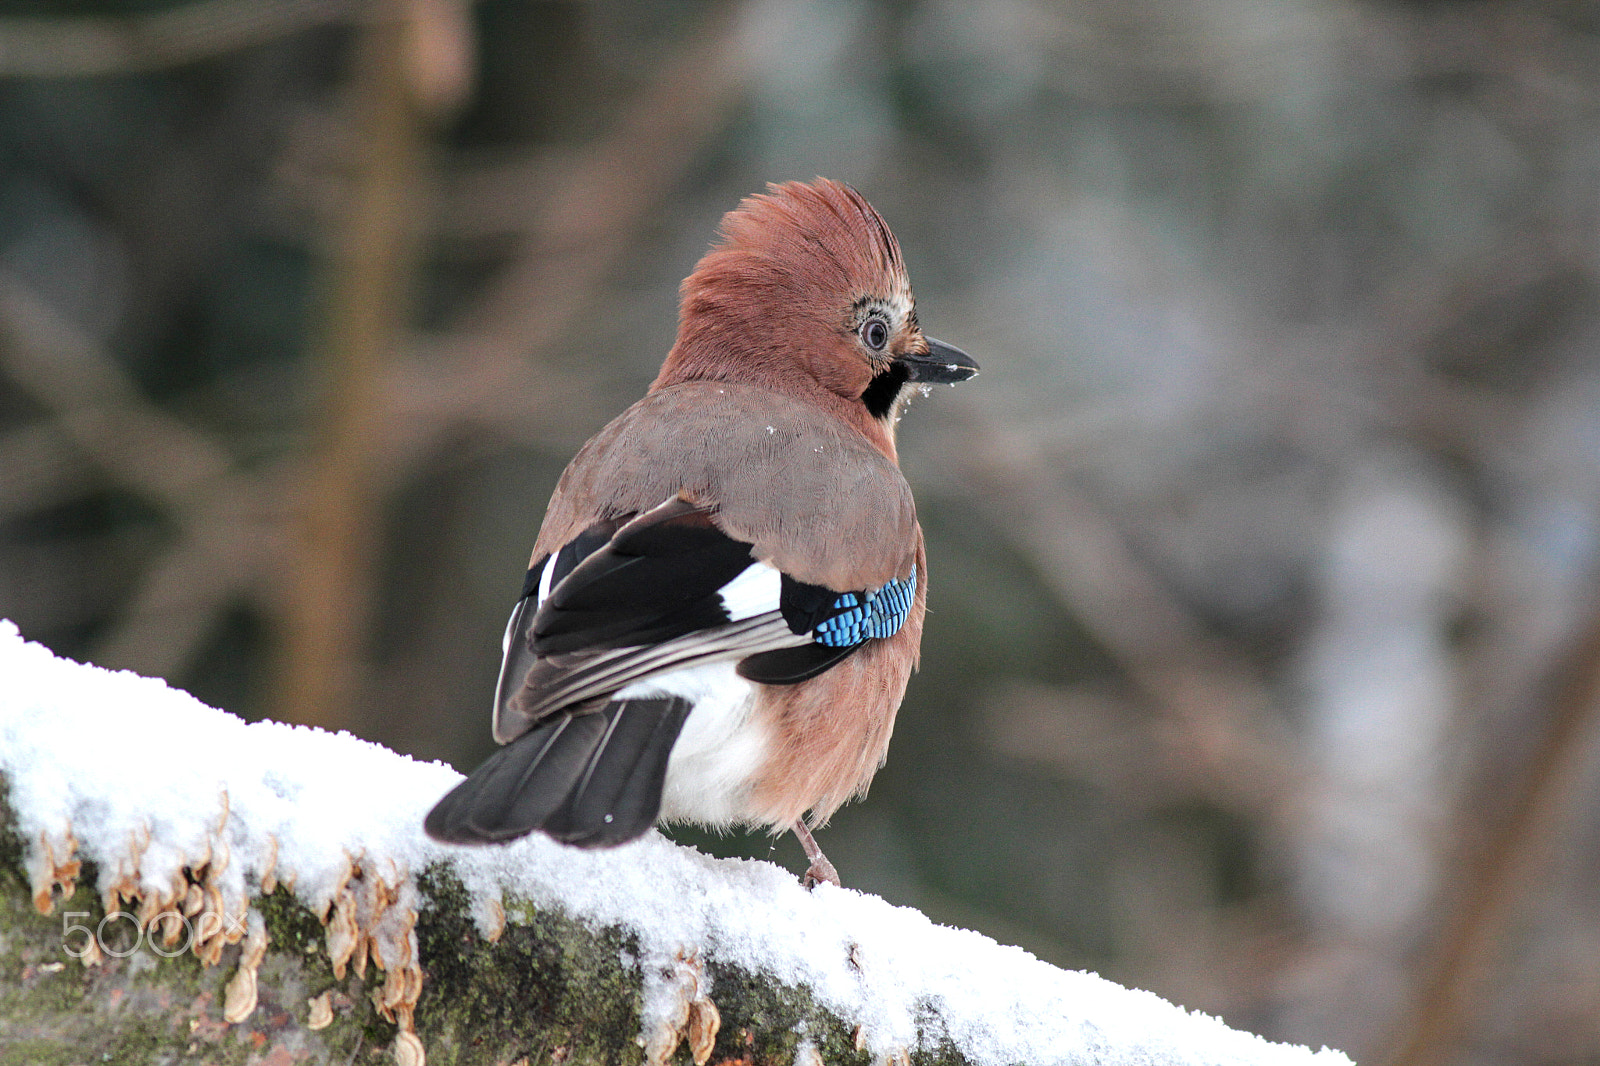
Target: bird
x,y
725,598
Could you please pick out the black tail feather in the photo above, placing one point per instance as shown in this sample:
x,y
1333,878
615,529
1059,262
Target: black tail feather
x,y
610,807
592,779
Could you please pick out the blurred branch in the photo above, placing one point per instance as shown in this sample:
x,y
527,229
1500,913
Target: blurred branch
x,y
1496,876
90,46
380,415
42,468
490,199
230,540
371,267
101,414
98,407
584,213
588,212
1220,736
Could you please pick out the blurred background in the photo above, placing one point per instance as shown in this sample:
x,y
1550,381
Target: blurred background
x,y
1263,660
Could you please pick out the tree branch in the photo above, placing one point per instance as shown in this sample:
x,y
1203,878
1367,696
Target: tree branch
x,y
278,901
188,33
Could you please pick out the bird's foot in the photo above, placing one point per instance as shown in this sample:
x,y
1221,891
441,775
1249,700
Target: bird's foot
x,y
820,869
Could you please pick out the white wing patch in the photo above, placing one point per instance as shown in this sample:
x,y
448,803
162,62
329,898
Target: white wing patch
x,y
754,592
544,578
544,590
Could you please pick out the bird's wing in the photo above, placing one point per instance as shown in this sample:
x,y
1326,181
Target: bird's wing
x,y
631,598
815,499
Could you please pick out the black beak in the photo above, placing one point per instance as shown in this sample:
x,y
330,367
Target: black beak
x,y
944,364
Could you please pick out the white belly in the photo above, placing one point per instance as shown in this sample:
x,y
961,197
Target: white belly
x,y
714,763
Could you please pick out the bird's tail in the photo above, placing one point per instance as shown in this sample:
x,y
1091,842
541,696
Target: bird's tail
x,y
590,778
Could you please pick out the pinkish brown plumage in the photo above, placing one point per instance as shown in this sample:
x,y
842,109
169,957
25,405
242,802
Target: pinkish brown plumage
x,y
777,294
726,596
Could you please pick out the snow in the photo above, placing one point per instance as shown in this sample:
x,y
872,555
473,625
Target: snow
x,y
118,758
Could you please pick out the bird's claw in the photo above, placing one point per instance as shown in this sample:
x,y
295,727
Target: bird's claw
x,y
819,871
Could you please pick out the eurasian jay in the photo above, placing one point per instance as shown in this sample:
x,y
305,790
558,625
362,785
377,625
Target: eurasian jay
x,y
725,599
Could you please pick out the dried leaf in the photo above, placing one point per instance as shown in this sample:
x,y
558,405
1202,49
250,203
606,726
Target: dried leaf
x,y
704,1022
239,1001
408,1050
321,1015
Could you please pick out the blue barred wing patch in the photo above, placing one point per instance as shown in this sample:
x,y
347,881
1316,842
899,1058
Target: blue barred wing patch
x,y
863,616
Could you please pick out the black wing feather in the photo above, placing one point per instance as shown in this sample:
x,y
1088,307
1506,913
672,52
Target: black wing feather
x,y
570,555
651,582
790,666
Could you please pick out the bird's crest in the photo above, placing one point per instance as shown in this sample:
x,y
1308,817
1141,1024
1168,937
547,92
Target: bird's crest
x,y
791,268
824,228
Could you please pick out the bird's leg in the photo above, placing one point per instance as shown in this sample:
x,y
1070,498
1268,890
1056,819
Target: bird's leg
x,y
820,869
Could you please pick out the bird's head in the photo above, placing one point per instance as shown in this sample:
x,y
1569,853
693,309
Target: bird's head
x,y
806,293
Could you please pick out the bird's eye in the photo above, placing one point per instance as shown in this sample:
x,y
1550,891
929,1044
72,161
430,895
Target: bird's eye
x,y
875,333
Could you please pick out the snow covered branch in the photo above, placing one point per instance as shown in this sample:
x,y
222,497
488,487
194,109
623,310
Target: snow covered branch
x,y
174,879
